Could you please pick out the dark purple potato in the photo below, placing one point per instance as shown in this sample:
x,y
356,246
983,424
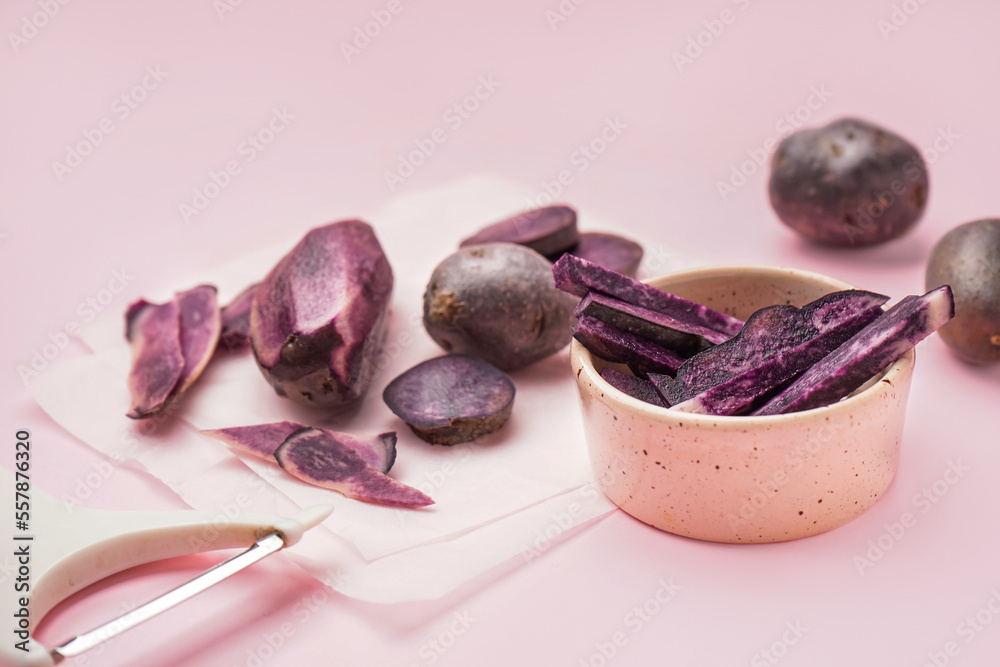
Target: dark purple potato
x,y
236,320
451,399
262,440
612,344
578,277
681,337
497,302
610,251
637,388
153,331
866,353
849,183
317,319
548,231
768,333
322,459
968,259
200,327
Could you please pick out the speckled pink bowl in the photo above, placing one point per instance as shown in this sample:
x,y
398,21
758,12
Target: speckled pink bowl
x,y
744,479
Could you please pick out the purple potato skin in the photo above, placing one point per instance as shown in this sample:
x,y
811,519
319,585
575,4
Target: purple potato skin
x,y
451,399
968,259
849,183
236,320
497,302
613,252
317,321
200,326
548,230
153,332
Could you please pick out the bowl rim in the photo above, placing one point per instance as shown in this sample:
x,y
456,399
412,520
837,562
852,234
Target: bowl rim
x,y
885,381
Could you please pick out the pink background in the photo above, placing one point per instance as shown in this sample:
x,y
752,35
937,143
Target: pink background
x,y
683,129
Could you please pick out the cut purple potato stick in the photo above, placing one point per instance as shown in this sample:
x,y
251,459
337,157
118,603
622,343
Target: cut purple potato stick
x,y
740,393
866,353
766,334
637,388
578,276
451,399
319,458
262,440
153,331
547,231
236,320
612,344
611,251
683,338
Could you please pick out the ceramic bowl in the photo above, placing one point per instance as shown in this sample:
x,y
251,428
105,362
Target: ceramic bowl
x,y
744,479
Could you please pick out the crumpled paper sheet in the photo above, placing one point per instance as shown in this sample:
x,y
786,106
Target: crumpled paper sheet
x,y
511,493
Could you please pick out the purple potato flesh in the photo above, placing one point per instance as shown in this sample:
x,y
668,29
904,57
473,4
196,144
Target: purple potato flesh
x,y
578,277
497,302
199,333
610,251
451,399
849,183
236,320
612,344
743,392
767,333
547,231
637,388
317,319
321,459
153,331
683,338
262,440
866,353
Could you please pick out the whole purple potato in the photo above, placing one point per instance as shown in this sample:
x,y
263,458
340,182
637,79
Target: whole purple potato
x,y
849,183
317,319
497,302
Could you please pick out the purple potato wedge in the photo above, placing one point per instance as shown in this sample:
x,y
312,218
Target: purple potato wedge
x,y
497,302
766,334
613,252
548,230
743,392
321,459
612,344
201,325
236,320
262,440
637,388
451,399
849,183
317,321
153,332
866,353
683,338
578,277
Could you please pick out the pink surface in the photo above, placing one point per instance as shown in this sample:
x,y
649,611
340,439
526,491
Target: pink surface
x,y
202,80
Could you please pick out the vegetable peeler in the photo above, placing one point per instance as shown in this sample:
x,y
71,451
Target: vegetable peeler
x,y
65,548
